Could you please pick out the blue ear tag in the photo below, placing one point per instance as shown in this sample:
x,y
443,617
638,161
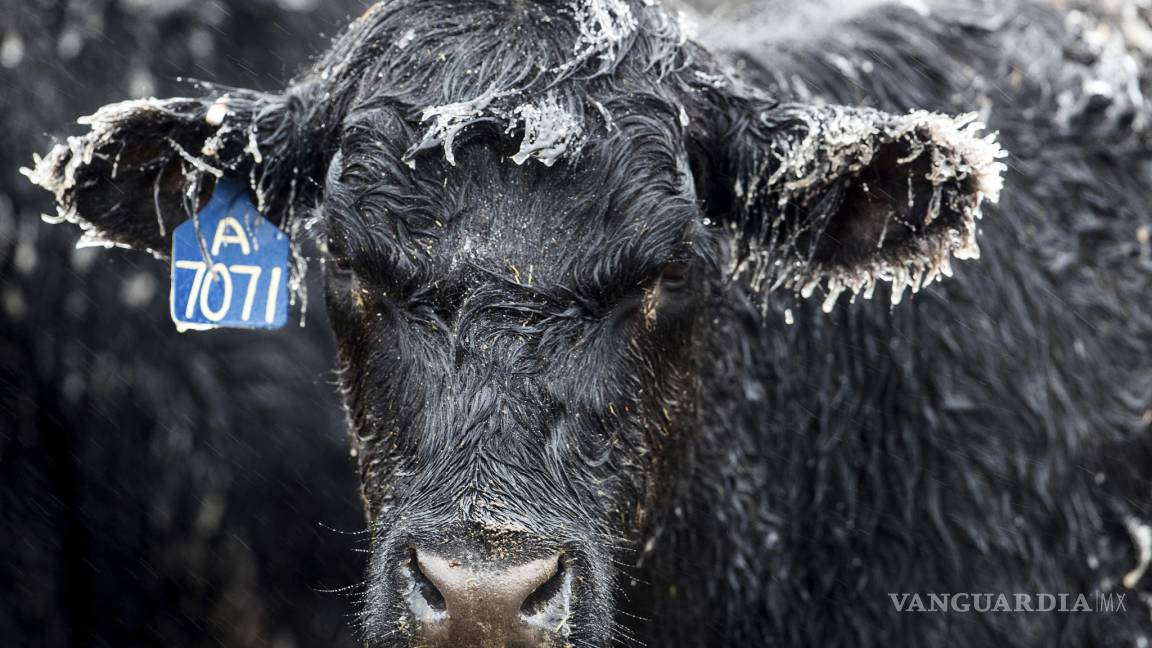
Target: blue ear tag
x,y
229,266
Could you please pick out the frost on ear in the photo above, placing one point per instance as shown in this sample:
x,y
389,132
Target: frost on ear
x,y
145,166
848,197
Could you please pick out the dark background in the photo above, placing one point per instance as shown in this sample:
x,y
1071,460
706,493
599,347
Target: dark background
x,y
155,488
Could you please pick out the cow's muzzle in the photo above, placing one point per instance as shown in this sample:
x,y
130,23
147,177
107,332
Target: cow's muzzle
x,y
468,598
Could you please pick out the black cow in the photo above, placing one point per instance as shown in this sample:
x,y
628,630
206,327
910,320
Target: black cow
x,y
568,255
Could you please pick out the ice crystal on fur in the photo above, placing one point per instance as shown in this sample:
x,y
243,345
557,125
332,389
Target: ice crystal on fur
x,y
550,131
603,24
824,145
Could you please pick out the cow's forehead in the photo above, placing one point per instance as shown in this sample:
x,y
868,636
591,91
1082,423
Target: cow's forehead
x,y
487,214
551,74
553,221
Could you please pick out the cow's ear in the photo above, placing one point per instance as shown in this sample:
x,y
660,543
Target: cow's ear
x,y
145,166
847,197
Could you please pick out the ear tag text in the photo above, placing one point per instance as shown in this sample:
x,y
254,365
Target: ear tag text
x,y
229,266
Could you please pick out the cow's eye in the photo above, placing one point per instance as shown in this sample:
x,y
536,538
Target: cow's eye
x,y
675,276
341,265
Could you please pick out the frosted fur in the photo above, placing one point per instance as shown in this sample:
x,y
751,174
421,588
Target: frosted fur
x,y
448,120
816,146
604,24
545,107
550,131
56,171
192,141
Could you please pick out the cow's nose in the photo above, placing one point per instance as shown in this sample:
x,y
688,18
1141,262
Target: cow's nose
x,y
464,602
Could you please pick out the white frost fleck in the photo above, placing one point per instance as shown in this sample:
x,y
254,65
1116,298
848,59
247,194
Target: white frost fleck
x,y
253,147
609,124
1141,537
406,39
197,162
217,112
550,131
716,81
603,25
448,120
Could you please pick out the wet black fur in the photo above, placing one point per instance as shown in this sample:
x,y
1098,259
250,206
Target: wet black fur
x,y
519,361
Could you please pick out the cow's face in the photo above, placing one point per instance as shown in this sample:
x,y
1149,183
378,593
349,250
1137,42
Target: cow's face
x,y
524,258
516,347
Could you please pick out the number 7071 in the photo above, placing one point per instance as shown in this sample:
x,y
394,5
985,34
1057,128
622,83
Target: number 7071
x,y
201,289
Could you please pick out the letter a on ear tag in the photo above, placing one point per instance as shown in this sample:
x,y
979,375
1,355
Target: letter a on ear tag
x,y
229,266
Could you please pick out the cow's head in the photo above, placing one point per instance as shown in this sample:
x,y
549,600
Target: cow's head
x,y
531,220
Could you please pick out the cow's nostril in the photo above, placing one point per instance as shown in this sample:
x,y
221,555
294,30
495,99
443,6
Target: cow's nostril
x,y
548,595
425,588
